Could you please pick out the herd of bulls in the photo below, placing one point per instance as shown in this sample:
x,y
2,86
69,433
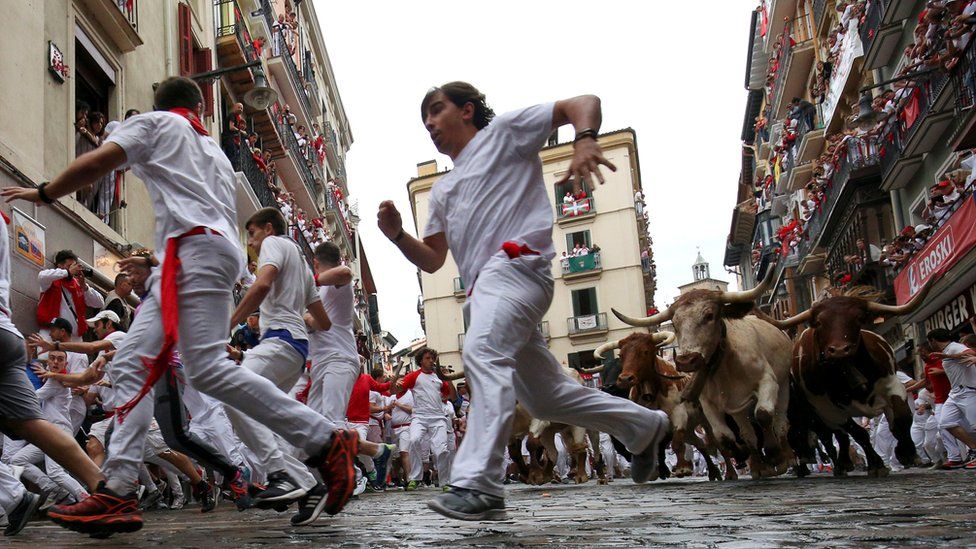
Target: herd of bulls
x,y
760,396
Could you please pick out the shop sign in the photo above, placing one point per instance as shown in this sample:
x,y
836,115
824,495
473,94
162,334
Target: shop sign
x,y
954,314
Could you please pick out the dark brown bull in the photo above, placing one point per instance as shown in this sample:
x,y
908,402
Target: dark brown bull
x,y
843,371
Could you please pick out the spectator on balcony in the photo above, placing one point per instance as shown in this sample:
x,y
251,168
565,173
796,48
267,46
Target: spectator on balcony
x,y
288,117
922,234
802,110
947,190
869,253
568,198
580,194
236,130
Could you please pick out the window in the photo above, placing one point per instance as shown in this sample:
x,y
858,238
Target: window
x,y
581,237
584,302
573,198
582,359
192,59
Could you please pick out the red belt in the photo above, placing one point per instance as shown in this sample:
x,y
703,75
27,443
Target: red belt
x,y
513,250
169,307
401,425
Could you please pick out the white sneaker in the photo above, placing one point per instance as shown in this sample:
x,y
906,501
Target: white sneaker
x,y
360,486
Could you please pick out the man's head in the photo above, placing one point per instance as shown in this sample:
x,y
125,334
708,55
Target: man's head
x,y
969,340
427,360
123,286
178,92
130,113
66,259
105,323
238,108
327,256
254,321
939,338
60,330
377,373
452,114
264,223
57,361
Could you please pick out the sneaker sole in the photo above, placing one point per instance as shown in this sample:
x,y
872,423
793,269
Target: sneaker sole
x,y
297,493
346,451
99,525
490,514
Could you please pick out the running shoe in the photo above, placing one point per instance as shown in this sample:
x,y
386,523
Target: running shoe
x,y
970,461
102,514
644,466
362,484
178,503
411,486
205,493
310,506
335,465
21,515
151,500
465,504
281,489
237,487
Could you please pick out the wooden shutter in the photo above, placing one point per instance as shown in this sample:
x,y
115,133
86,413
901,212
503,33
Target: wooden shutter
x,y
576,302
202,62
185,54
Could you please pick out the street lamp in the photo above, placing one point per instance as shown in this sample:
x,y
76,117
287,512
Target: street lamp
x,y
866,116
260,97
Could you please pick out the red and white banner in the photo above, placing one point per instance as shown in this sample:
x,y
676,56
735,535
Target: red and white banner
x,y
952,241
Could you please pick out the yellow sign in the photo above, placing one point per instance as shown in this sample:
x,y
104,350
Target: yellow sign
x,y
30,237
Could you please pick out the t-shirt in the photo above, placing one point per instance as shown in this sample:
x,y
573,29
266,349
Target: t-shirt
x,y
339,340
376,399
429,392
960,374
401,417
450,414
188,177
937,380
55,401
496,193
115,338
292,291
5,322
77,409
358,410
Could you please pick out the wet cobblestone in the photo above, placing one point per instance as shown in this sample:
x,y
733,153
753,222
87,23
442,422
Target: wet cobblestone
x,y
925,508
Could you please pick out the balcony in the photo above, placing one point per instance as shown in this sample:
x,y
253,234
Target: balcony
x,y
587,326
819,13
867,217
120,19
298,168
243,162
964,82
334,212
570,213
880,40
582,267
459,291
281,63
303,244
795,65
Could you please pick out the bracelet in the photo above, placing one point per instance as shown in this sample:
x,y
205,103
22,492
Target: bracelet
x,y
42,194
396,239
57,345
584,133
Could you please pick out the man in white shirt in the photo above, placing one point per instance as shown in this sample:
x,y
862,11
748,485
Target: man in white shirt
x,y
65,293
402,415
428,422
506,260
192,186
958,415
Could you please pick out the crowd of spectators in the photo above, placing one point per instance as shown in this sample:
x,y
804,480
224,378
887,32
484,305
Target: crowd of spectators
x,y
92,127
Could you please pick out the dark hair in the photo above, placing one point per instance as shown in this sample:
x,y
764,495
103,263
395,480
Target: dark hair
x,y
62,324
268,215
63,256
925,347
939,334
328,253
424,353
175,92
461,93
130,113
119,277
377,372
969,340
82,106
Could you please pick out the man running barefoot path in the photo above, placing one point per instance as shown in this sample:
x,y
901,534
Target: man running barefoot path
x,y
191,185
492,211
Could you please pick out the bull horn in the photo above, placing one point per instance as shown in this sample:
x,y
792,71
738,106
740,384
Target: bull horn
x,y
663,338
792,321
750,295
608,346
893,310
593,370
652,320
452,376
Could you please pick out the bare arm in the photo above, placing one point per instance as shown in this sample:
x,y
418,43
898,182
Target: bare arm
x,y
83,347
428,254
336,276
255,295
82,172
583,112
321,319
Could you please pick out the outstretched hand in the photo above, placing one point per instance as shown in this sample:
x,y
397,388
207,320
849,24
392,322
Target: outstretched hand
x,y
587,158
20,193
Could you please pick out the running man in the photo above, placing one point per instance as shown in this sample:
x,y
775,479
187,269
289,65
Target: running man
x,y
493,212
192,187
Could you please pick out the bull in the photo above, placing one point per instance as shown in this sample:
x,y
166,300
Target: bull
x,y
841,371
653,382
742,365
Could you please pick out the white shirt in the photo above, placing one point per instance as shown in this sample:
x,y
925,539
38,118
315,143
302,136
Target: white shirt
x,y
189,179
376,399
5,322
401,417
292,291
92,298
115,338
55,400
959,373
450,415
77,409
496,193
339,340
427,397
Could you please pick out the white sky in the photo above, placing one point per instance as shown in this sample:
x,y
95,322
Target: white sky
x,y
673,74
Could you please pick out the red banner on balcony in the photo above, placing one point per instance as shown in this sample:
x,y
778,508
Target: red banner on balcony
x,y
952,241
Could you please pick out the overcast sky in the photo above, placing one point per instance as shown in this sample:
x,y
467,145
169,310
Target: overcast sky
x,y
676,79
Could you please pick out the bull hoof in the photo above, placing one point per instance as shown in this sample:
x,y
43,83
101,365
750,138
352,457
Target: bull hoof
x,y
682,472
602,482
582,479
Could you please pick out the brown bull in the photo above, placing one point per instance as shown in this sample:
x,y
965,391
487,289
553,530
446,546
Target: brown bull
x,y
654,383
843,371
743,365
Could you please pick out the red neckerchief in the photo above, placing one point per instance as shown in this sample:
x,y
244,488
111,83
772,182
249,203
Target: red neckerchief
x,y
192,118
5,218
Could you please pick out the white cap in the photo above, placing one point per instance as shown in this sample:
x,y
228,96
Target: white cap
x,y
922,227
106,314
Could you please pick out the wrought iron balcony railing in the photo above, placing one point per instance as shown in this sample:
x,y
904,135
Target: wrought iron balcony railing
x,y
585,324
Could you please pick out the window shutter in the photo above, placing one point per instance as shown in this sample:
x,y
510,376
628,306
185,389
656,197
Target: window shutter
x,y
574,361
586,239
569,242
591,301
202,62
184,20
576,303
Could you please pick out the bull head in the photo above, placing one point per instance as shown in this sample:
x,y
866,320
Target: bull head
x,y
449,374
638,354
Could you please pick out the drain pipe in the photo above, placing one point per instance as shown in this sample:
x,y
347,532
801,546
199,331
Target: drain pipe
x,y
898,214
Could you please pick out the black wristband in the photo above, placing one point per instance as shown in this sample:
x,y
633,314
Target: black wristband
x,y
43,195
399,236
583,134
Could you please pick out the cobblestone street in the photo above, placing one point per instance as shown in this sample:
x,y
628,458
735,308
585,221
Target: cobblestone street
x,y
923,508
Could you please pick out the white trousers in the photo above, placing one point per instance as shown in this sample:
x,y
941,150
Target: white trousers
x,y
946,441
210,266
959,410
277,361
30,456
506,360
332,378
362,429
11,489
434,431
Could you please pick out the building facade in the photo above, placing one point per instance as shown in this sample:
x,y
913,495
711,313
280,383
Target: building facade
x,y
859,131
105,56
609,224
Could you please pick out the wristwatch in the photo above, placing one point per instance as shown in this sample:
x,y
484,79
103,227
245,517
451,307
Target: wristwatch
x,y
586,132
43,195
399,236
